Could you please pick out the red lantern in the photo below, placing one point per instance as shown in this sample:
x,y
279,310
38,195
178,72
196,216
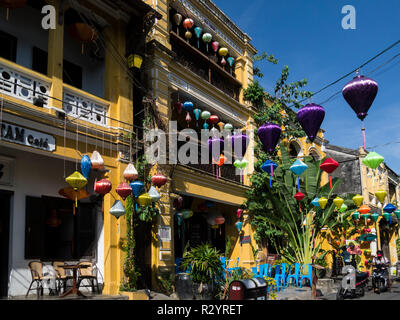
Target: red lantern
x,y
178,203
102,187
188,23
239,213
82,32
220,220
202,207
159,180
124,190
179,107
213,119
299,197
329,165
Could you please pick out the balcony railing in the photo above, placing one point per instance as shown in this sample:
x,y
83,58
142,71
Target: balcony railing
x,y
85,106
23,85
227,171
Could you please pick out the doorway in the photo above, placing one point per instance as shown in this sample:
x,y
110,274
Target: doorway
x,y
384,233
5,199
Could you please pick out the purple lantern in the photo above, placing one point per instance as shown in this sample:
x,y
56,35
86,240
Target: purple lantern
x,y
214,144
269,134
360,93
310,118
240,143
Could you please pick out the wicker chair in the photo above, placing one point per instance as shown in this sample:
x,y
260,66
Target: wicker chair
x,y
89,273
36,268
62,276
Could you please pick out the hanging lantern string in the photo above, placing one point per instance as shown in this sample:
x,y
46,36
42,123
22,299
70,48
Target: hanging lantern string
x,y
363,134
65,135
77,151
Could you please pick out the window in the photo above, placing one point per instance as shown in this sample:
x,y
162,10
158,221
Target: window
x,y
53,232
39,60
72,74
8,48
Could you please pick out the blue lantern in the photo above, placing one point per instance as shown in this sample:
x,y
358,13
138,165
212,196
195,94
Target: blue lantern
x,y
86,166
315,203
197,113
209,204
188,106
239,226
298,168
269,167
389,209
137,188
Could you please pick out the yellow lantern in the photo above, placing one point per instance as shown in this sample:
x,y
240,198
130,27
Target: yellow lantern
x,y
223,52
381,195
76,181
358,200
323,202
144,199
338,202
221,125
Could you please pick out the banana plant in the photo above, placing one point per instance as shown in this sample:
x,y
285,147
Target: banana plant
x,y
277,217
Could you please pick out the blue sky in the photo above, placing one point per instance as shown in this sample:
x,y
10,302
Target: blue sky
x,y
307,35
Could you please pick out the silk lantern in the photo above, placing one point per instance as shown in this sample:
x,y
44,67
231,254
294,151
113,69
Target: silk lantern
x,y
329,165
137,188
188,23
343,208
239,213
387,216
358,200
118,209
102,186
71,194
215,47
144,199
159,180
178,20
240,142
375,216
239,226
228,127
130,172
124,190
298,168
360,93
97,161
220,126
76,181
355,215
299,197
338,202
215,146
323,202
269,134
179,107
241,165
178,203
197,114
381,195
207,37
213,119
86,166
373,160
187,214
223,52
364,209
231,61
310,118
315,203
188,36
198,31
389,208
53,221
153,193
269,167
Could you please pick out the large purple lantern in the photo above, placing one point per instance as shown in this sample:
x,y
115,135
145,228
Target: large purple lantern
x,y
360,93
310,118
216,146
240,142
269,134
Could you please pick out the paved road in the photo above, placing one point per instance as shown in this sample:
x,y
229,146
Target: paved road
x,y
370,295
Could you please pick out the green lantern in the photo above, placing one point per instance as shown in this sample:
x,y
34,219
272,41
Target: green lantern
x,y
373,160
375,216
356,215
343,208
386,216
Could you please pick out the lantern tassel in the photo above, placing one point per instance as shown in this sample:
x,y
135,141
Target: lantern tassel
x,y
298,183
270,182
363,134
330,181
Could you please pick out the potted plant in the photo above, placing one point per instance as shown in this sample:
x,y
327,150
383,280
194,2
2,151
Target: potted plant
x,y
206,270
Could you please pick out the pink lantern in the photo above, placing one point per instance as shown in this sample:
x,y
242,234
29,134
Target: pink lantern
x,y
239,213
102,187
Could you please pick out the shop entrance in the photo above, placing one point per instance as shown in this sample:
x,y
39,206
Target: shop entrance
x,y
5,197
384,234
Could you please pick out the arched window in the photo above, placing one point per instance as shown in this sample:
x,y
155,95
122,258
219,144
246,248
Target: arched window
x,y
295,149
314,154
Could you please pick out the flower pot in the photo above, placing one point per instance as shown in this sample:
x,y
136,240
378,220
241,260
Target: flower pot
x,y
183,286
203,292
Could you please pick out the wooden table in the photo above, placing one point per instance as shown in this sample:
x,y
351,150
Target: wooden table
x,y
74,289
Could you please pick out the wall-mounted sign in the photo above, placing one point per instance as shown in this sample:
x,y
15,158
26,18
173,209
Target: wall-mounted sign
x,y
27,137
6,171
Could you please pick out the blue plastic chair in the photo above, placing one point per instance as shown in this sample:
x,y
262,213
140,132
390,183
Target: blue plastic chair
x,y
308,276
235,267
282,277
295,276
277,276
223,263
266,270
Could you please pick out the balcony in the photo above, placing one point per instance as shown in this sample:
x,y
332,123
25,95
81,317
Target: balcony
x,y
23,84
204,66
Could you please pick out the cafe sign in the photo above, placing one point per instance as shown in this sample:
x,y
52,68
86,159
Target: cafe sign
x,y
27,137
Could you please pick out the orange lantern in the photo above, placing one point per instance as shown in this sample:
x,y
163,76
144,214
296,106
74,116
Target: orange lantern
x,y
220,220
53,221
364,209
